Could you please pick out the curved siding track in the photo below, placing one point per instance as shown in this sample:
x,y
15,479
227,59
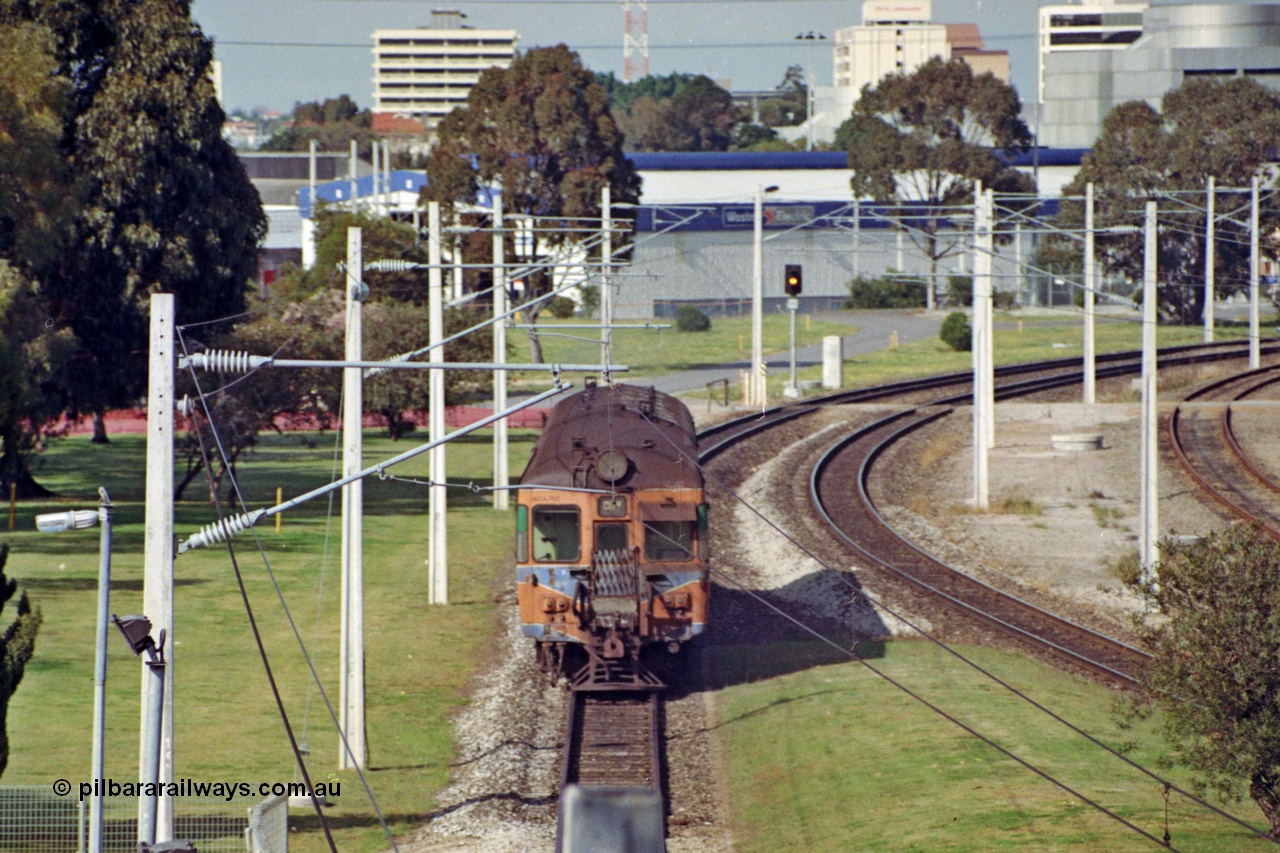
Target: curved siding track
x,y
1206,446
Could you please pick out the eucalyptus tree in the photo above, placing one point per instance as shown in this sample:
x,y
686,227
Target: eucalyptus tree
x,y
542,131
162,202
922,139
1225,129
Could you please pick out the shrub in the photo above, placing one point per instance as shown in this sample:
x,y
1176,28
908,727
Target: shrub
x,y
960,290
562,307
884,293
690,319
956,332
590,294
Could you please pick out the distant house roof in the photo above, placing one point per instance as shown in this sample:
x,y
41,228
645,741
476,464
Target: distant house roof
x,y
339,192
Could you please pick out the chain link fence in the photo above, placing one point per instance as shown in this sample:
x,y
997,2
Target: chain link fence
x,y
33,819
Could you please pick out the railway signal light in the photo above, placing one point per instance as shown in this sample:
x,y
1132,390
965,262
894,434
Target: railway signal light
x,y
792,279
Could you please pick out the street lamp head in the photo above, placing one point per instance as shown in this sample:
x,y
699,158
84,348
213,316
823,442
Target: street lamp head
x,y
59,522
136,631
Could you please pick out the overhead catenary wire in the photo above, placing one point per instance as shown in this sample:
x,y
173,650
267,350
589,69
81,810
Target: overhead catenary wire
x,y
946,647
315,676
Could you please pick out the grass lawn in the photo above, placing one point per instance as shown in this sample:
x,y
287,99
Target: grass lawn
x,y
655,352
1011,344
418,657
814,737
832,758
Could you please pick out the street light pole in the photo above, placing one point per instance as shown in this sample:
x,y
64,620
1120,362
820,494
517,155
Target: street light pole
x,y
755,383
810,37
57,522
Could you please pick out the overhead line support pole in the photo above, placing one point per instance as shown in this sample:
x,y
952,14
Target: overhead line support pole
x,y
352,752
1210,249
438,584
501,460
157,590
1255,351
1090,288
1149,498
756,382
606,283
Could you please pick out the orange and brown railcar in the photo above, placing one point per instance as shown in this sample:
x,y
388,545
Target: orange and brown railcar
x,y
611,528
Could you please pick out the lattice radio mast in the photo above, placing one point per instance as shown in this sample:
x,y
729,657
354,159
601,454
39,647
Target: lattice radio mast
x,y
635,40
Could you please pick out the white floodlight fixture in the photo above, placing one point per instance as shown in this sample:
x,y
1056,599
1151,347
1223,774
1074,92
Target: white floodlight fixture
x,y
60,522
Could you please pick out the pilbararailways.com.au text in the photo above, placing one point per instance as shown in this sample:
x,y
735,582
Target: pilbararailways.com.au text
x,y
192,788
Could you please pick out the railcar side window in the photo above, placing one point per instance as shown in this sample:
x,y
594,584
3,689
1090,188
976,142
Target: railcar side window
x,y
555,534
668,541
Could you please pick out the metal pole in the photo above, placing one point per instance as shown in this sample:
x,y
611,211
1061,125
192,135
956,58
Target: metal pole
x,y
857,238
352,176
981,280
157,594
100,670
808,101
1149,499
606,285
352,752
1255,352
1090,284
150,823
988,303
501,462
793,389
1209,260
438,585
756,381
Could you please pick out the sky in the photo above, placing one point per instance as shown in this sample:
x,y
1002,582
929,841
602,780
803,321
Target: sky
x,y
276,53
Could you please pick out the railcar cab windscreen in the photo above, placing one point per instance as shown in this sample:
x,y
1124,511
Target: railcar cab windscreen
x,y
611,529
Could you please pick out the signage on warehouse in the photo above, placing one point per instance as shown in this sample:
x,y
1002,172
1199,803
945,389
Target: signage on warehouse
x,y
775,216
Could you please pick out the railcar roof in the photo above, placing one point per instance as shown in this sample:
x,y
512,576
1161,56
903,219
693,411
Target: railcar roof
x,y
653,430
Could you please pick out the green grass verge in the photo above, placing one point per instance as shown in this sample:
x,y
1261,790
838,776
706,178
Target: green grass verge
x,y
655,352
1032,340
418,657
829,757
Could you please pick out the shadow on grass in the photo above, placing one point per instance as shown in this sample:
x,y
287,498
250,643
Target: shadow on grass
x,y
79,584
750,640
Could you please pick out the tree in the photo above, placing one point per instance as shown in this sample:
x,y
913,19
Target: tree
x,y
17,645
788,106
1206,127
393,394
332,123
700,117
36,200
270,399
164,202
542,130
924,138
1213,669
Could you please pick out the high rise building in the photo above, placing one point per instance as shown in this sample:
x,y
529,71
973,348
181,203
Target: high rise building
x,y
424,73
895,37
1095,56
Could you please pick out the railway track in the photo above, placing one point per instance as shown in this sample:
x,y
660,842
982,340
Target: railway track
x,y
1206,447
839,494
614,738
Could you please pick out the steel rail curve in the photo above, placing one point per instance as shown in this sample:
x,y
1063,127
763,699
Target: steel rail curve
x,y
878,542
1185,445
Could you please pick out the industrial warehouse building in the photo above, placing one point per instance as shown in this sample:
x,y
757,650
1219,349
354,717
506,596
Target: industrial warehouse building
x,y
1095,56
695,232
